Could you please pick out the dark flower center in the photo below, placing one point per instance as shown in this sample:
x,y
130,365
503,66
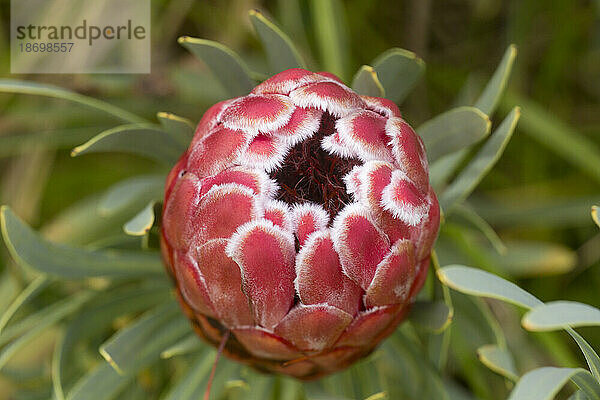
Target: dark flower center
x,y
309,173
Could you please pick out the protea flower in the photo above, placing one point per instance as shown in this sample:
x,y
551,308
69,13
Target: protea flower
x,y
300,220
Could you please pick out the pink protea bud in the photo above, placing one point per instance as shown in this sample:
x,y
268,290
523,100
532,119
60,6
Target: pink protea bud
x,y
301,221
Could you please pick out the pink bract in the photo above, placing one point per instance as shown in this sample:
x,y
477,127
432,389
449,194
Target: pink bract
x,y
301,220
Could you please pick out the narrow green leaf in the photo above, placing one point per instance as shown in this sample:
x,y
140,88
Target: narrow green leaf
x,y
435,316
488,100
524,259
28,248
15,86
544,383
181,129
142,222
481,164
43,319
367,83
97,317
224,63
560,315
480,283
476,282
135,346
331,32
498,360
595,215
399,71
131,192
193,384
558,136
378,396
48,139
37,285
578,395
189,344
100,383
589,353
444,168
477,221
453,130
281,52
140,139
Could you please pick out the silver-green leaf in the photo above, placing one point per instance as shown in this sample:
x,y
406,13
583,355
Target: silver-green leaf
x,y
560,315
544,383
453,131
488,100
499,360
223,62
399,71
30,249
40,89
141,139
367,83
481,164
281,52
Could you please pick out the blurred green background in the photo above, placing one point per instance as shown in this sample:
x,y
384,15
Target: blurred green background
x,y
537,198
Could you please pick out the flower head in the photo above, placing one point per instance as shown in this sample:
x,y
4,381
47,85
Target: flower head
x,y
301,220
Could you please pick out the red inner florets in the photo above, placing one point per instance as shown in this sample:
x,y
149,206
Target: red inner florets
x,y
309,173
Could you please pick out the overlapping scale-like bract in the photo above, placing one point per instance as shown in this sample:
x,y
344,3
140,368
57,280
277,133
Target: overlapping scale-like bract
x,y
305,287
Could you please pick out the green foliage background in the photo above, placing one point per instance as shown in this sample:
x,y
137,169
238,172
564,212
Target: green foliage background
x,y
537,198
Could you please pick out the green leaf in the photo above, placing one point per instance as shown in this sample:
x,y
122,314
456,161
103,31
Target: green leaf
x,y
578,395
28,248
444,168
190,387
480,283
131,192
367,83
224,63
558,136
141,139
281,52
525,259
142,222
331,32
544,383
481,164
189,344
98,315
135,346
498,360
100,383
488,100
181,129
595,215
30,292
476,282
453,130
560,315
37,323
477,221
48,139
435,316
399,71
15,86
590,355
193,384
